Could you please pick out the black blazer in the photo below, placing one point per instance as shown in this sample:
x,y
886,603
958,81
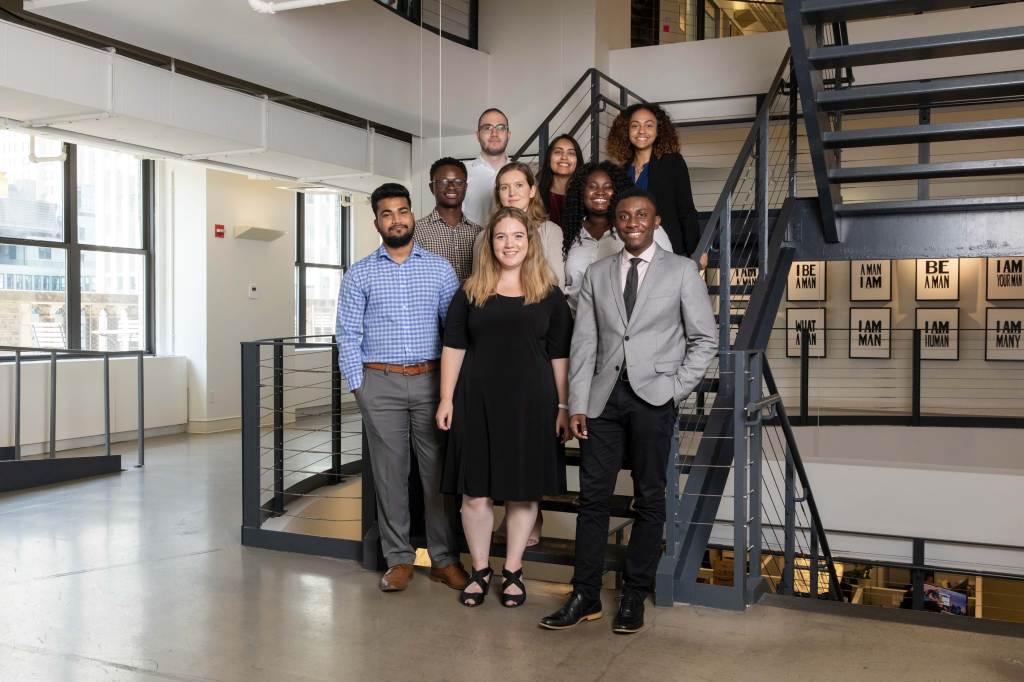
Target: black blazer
x,y
669,181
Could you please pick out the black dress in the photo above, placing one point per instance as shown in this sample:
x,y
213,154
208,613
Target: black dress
x,y
502,441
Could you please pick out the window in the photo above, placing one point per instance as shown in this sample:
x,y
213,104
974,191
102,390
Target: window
x,y
456,20
75,267
322,251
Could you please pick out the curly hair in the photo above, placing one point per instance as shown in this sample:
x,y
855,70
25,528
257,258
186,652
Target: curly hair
x,y
619,146
574,211
545,176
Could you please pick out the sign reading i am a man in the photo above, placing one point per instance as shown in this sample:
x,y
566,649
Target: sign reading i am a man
x,y
940,333
1005,279
938,279
806,281
871,280
870,332
1004,334
809,321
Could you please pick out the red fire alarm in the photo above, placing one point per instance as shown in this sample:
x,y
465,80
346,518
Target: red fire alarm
x,y
218,231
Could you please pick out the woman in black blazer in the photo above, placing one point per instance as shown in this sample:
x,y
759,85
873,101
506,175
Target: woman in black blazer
x,y
644,141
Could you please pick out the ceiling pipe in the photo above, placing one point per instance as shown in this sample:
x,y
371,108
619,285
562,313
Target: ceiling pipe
x,y
32,5
265,7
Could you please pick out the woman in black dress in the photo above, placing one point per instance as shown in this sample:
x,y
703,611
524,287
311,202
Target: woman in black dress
x,y
643,139
504,389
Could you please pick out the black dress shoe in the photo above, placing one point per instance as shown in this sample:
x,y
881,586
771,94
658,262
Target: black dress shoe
x,y
577,609
630,617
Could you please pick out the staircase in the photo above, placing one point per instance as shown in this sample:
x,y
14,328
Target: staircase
x,y
957,220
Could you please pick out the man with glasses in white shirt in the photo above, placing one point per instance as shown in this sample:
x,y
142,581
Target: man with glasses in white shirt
x,y
492,131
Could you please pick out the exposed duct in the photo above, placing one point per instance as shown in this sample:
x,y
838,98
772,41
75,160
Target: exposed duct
x,y
266,7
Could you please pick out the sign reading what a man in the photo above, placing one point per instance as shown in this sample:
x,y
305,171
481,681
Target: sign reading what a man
x,y
806,281
938,279
809,321
870,332
871,280
940,333
1004,334
1005,279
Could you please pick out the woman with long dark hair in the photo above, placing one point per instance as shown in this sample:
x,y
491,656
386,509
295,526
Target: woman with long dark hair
x,y
504,396
643,139
559,163
589,230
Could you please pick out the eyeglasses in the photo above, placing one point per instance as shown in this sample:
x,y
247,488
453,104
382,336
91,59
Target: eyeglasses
x,y
457,183
487,128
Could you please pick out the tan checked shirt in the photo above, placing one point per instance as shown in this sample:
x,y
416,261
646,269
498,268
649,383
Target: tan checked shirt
x,y
454,244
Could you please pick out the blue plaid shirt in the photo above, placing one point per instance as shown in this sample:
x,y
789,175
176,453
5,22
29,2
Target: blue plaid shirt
x,y
392,312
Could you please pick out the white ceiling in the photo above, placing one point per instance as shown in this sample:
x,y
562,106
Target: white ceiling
x,y
354,56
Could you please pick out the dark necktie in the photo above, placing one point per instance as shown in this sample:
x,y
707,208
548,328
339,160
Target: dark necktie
x,y
629,293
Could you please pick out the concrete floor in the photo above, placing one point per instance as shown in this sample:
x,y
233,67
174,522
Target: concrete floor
x,y
140,576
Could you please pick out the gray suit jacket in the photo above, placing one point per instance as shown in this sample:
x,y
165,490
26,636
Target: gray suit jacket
x,y
670,339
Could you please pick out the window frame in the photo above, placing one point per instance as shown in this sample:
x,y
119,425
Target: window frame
x,y
413,12
301,264
73,250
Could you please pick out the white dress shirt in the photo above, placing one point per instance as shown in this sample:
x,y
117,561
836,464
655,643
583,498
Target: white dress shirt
x,y
479,202
641,267
588,250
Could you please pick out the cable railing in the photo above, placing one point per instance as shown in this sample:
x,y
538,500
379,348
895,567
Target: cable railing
x,y
20,357
456,20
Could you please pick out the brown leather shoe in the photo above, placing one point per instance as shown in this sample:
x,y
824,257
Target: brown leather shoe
x,y
397,578
452,575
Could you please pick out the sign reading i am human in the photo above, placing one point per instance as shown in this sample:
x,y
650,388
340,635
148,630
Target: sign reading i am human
x,y
940,333
805,320
938,279
1004,334
806,281
870,333
871,280
1005,279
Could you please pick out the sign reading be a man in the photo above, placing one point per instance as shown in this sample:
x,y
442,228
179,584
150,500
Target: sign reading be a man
x,y
806,281
938,279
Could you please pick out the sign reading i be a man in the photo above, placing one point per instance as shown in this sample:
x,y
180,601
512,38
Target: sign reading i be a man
x,y
809,321
938,279
1004,334
806,281
870,332
1005,279
940,333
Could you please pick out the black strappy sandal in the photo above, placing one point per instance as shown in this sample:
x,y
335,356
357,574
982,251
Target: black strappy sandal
x,y
477,598
511,601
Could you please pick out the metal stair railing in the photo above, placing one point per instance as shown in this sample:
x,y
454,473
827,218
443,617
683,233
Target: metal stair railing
x,y
585,112
739,435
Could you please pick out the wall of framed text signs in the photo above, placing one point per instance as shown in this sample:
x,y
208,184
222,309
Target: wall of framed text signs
x,y
968,311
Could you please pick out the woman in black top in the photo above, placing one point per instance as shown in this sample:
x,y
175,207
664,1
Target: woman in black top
x,y
644,141
504,392
561,159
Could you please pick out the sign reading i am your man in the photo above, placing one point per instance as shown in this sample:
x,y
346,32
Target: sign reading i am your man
x,y
940,333
938,279
1004,334
806,281
809,321
871,280
1005,279
870,332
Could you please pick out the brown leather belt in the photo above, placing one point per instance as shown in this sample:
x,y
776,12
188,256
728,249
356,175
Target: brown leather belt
x,y
405,370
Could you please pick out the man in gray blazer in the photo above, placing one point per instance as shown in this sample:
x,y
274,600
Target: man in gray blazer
x,y
643,339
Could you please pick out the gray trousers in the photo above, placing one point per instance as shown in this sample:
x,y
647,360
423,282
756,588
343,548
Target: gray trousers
x,y
395,407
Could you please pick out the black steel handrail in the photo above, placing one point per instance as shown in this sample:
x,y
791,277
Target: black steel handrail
x,y
51,355
793,452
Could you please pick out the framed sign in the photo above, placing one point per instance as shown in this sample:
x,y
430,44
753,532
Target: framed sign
x,y
938,279
805,320
870,333
1004,280
1004,328
940,333
806,281
871,280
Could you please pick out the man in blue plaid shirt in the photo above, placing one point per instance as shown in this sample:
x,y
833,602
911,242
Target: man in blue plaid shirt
x,y
391,309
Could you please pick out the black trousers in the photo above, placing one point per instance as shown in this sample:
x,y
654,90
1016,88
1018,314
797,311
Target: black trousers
x,y
644,431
